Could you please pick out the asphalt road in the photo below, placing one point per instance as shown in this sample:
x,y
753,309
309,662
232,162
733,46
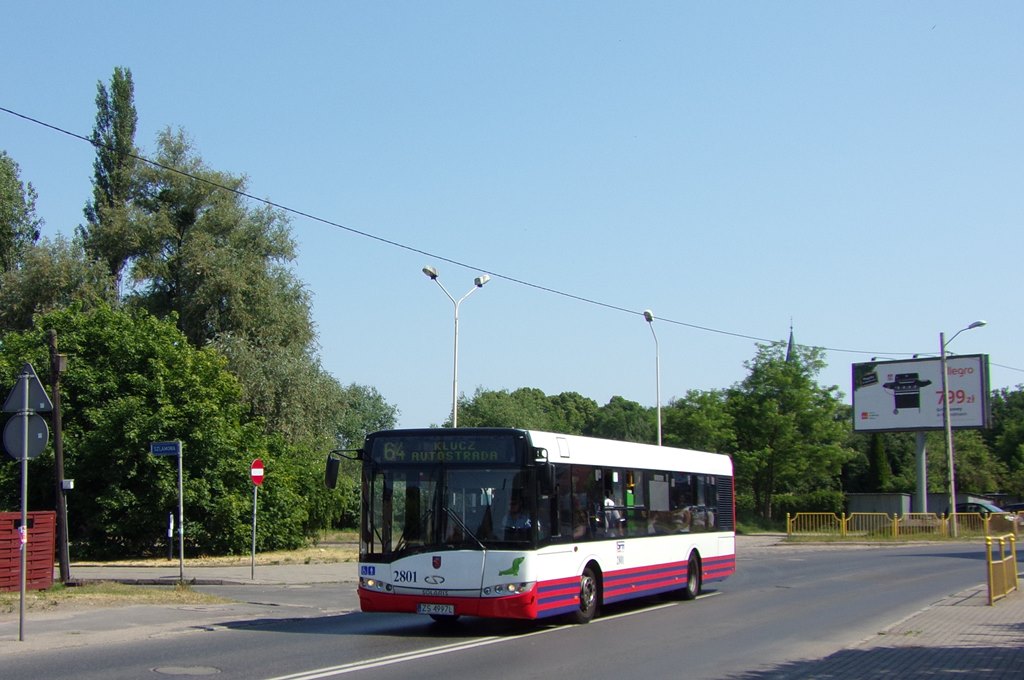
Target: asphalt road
x,y
784,604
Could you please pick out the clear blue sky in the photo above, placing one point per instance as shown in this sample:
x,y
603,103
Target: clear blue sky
x,y
854,168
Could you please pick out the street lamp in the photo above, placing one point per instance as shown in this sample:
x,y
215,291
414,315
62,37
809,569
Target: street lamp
x,y
946,424
478,282
649,316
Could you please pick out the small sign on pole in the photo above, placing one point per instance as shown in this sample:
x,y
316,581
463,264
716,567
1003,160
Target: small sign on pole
x,y
174,449
25,437
165,448
256,474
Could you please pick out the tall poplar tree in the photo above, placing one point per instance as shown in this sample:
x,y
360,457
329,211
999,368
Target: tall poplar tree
x,y
112,233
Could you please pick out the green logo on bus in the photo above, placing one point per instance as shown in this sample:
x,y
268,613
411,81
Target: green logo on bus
x,y
514,569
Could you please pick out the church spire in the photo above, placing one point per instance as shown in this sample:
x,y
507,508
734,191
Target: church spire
x,y
790,356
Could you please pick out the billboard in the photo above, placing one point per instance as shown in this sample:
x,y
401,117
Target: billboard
x,y
907,395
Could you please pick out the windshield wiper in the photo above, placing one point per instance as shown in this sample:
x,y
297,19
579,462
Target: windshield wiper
x,y
454,515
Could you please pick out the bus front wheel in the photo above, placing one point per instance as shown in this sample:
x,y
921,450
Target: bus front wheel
x,y
588,597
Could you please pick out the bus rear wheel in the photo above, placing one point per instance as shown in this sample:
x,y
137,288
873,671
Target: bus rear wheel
x,y
587,609
693,578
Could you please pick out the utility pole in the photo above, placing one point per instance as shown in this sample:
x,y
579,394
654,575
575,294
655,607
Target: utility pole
x,y
58,364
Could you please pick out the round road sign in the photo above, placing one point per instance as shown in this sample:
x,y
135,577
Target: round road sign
x,y
256,472
14,435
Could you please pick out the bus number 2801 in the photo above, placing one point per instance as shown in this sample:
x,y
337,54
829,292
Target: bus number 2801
x,y
405,576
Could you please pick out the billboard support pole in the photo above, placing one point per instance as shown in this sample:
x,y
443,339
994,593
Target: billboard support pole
x,y
922,472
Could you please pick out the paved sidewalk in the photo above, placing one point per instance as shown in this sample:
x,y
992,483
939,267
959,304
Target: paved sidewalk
x,y
960,637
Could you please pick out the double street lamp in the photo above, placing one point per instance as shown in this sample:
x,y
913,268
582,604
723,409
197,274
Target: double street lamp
x,y
946,424
649,316
478,282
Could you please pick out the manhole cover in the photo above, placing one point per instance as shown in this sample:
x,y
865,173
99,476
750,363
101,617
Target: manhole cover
x,y
186,670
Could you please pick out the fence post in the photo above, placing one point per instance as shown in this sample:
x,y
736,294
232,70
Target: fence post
x,y
991,569
895,525
789,526
842,525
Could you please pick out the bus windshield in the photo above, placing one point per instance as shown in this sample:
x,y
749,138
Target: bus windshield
x,y
441,507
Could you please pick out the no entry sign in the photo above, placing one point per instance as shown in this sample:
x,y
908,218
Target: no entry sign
x,y
256,472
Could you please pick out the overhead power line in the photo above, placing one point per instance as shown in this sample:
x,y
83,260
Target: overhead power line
x,y
435,256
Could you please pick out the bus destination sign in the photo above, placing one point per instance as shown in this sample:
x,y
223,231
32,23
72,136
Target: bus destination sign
x,y
449,450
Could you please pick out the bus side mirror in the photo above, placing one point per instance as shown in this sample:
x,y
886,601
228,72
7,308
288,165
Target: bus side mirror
x,y
334,464
331,474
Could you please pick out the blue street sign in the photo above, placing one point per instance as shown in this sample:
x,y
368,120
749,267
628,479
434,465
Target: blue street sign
x,y
165,448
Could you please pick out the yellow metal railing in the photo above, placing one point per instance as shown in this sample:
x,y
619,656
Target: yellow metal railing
x,y
1002,570
973,524
922,525
870,525
910,525
820,523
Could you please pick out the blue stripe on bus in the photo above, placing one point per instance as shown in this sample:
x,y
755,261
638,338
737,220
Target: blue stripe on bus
x,y
561,596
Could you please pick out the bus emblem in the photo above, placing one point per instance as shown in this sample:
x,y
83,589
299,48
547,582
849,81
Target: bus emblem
x,y
514,569
435,561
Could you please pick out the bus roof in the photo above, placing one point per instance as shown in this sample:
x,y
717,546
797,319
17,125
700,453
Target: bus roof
x,y
567,448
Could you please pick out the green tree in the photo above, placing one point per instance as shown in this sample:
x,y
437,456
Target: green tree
x,y
53,275
879,472
220,265
701,421
223,269
365,411
572,413
19,225
624,420
286,389
789,430
133,379
977,469
112,233
900,459
1006,436
526,407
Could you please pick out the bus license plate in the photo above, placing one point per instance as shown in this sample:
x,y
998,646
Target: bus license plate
x,y
442,609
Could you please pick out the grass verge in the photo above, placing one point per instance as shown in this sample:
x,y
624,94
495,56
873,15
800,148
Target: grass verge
x,y
60,597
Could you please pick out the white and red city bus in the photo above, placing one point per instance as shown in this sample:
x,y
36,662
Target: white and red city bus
x,y
509,523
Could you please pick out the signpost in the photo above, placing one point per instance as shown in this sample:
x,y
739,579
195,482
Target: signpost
x,y
174,449
256,474
25,437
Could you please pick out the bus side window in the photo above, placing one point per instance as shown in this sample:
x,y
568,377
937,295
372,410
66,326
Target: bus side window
x,y
681,502
562,522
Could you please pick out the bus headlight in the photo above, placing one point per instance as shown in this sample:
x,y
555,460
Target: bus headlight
x,y
506,589
371,583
